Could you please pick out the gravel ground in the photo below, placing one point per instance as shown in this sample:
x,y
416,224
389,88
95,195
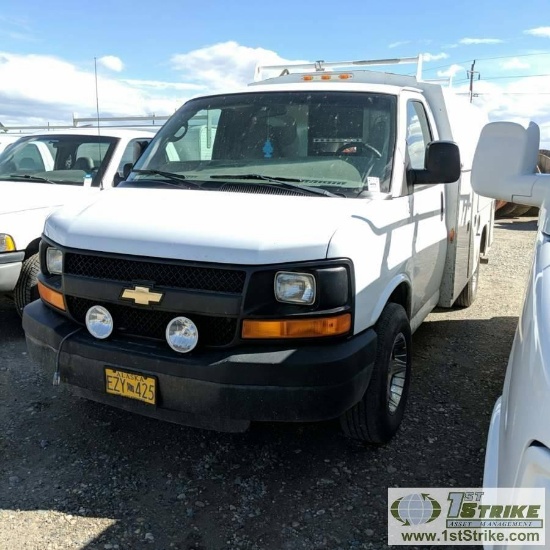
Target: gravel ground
x,y
75,474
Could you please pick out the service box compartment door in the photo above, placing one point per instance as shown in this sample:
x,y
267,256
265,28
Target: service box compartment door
x,y
464,233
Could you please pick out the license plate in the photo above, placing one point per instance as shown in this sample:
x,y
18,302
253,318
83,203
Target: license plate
x,y
132,386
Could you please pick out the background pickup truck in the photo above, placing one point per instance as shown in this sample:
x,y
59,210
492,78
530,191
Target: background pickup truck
x,y
44,171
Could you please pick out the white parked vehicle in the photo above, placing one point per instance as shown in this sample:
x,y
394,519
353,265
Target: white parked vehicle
x,y
43,171
270,255
518,445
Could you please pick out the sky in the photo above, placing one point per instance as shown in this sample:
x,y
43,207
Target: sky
x,y
152,57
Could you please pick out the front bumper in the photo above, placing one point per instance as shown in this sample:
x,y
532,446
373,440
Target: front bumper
x,y
224,389
10,268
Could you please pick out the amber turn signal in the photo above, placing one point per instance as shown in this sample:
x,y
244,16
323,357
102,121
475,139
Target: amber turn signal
x,y
297,328
50,296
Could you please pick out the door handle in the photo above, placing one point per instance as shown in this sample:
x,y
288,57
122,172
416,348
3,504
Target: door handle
x,y
442,206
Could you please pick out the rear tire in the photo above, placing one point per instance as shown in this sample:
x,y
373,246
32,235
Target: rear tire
x,y
521,210
468,295
378,415
26,290
506,210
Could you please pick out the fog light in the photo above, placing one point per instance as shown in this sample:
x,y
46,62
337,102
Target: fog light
x,y
99,322
182,334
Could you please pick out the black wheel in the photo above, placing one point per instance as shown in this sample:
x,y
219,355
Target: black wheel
x,y
507,210
377,417
468,295
26,290
532,212
521,210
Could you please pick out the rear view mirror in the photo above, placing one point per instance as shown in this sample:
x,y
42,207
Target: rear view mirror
x,y
505,162
441,164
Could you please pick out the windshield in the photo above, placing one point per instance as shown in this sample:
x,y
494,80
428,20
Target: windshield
x,y
65,159
338,141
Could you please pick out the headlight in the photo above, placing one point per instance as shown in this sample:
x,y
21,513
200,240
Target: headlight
x,y
6,243
295,288
54,261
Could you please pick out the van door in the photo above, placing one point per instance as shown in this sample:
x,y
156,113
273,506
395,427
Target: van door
x,y
427,205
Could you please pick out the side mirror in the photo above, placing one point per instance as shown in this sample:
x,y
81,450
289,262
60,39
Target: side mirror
x,y
441,164
505,162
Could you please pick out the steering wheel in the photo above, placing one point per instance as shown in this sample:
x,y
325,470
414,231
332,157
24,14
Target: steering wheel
x,y
359,145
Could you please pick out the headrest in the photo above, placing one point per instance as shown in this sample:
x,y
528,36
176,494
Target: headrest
x,y
84,163
283,129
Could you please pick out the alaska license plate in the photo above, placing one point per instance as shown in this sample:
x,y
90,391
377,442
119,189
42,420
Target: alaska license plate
x,y
130,385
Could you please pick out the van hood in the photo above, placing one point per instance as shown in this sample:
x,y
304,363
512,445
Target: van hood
x,y
203,226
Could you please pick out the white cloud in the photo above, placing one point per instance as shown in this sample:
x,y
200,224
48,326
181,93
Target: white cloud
x,y
539,31
224,66
434,56
470,41
162,85
112,63
520,101
515,63
36,88
451,72
399,43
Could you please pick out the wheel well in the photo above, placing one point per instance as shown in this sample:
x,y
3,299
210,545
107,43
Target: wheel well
x,y
402,296
483,244
32,249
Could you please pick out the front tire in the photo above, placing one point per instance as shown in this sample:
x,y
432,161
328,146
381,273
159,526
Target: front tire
x,y
377,417
26,289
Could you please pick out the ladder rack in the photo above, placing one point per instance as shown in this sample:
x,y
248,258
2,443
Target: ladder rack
x,y
93,122
320,66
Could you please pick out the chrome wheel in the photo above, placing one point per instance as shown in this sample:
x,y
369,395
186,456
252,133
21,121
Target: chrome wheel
x,y
397,372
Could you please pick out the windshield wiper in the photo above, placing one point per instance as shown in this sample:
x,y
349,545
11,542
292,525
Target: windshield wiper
x,y
287,183
179,180
32,178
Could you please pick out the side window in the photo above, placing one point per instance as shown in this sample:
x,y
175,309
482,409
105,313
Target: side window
x,y
94,153
29,158
418,134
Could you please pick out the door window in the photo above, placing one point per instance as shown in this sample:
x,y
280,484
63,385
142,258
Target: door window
x,y
131,154
418,134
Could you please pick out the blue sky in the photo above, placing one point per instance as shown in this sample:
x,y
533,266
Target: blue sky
x,y
153,56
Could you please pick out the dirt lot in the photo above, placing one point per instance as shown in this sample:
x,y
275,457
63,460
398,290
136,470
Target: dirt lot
x,y
74,474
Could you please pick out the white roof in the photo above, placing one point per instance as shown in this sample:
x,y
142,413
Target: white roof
x,y
346,86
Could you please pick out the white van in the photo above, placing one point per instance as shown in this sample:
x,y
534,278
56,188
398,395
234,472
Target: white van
x,y
270,255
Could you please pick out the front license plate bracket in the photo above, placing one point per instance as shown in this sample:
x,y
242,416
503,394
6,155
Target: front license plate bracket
x,y
131,385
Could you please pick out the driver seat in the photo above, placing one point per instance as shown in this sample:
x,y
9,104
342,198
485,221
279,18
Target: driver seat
x,y
84,163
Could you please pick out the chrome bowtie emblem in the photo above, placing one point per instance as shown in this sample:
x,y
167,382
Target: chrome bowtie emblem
x,y
142,295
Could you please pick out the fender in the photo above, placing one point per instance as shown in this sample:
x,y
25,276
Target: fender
x,y
385,296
